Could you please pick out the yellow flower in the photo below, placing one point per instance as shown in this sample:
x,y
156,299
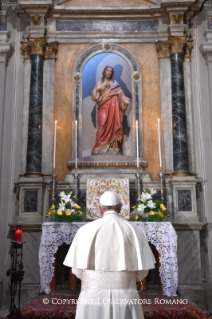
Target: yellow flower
x,y
59,213
162,207
52,207
151,213
160,214
77,206
49,213
136,217
133,207
79,212
67,212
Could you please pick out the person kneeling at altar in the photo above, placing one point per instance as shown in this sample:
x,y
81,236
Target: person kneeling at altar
x,y
109,255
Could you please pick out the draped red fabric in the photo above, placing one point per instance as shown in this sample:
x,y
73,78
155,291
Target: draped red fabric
x,y
110,129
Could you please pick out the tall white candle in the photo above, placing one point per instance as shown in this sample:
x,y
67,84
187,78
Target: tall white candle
x,y
159,143
55,137
76,144
137,144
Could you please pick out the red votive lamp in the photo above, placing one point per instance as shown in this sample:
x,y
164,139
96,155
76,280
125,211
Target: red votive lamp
x,y
18,233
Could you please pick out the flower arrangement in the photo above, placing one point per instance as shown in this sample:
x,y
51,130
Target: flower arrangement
x,y
148,209
66,210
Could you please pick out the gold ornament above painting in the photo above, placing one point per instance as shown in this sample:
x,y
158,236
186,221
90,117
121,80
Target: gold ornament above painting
x,y
96,187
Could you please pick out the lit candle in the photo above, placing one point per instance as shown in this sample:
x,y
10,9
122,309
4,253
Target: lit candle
x,y
55,136
137,144
76,144
18,233
159,144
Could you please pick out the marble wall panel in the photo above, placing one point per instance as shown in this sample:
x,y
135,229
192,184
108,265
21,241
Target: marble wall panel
x,y
103,25
48,116
27,74
66,58
189,262
30,257
100,3
166,115
148,59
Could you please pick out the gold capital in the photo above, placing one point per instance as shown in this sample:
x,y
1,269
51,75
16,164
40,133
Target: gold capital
x,y
51,50
37,45
26,49
163,49
177,18
188,47
36,19
177,43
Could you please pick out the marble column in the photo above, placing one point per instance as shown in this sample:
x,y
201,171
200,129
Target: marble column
x,y
180,143
166,105
34,146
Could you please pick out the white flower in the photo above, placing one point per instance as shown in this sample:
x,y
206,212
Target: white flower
x,y
145,196
62,194
72,204
150,204
141,207
152,191
62,206
73,210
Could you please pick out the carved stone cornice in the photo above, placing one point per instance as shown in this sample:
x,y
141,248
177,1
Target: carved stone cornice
x,y
51,50
177,44
36,19
163,49
188,48
26,49
37,45
177,18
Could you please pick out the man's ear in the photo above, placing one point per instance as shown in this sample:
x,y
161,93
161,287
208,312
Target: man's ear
x,y
120,206
100,209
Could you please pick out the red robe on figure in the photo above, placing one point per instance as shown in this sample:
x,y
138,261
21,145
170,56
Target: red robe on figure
x,y
111,109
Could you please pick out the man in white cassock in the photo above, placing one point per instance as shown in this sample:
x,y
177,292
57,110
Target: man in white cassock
x,y
109,255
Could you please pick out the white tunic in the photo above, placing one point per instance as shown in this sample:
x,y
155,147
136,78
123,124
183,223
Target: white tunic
x,y
108,255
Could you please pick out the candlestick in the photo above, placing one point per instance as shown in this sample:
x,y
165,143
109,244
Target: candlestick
x,y
137,144
76,144
159,145
55,136
18,233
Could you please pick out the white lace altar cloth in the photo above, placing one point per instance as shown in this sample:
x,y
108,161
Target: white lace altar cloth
x,y
162,235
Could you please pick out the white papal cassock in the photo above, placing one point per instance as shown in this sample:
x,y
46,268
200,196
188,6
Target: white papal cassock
x,y
109,255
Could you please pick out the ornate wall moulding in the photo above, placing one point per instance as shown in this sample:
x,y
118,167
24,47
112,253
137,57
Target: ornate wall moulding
x,y
177,44
177,18
36,19
77,77
26,49
188,48
136,76
51,50
37,45
163,49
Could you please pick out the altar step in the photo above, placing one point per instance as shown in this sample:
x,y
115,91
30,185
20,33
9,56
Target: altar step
x,y
155,306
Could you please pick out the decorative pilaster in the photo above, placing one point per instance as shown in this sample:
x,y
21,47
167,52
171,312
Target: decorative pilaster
x,y
34,147
180,143
166,105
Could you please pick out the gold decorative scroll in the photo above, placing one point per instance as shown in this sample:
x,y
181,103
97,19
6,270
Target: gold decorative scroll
x,y
177,18
37,45
163,49
177,43
51,50
26,49
188,47
36,20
